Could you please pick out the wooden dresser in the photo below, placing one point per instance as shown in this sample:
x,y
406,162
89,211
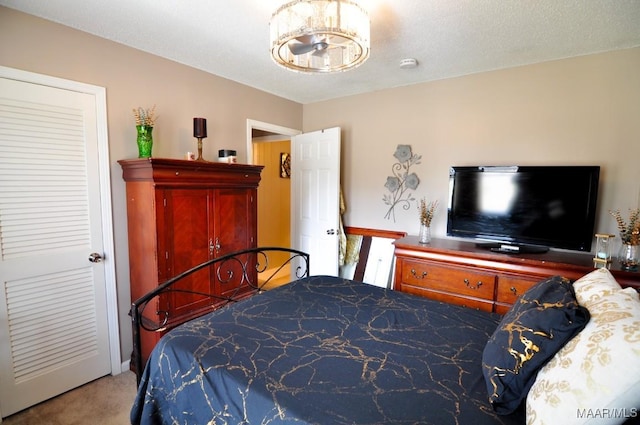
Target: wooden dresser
x,y
462,273
180,214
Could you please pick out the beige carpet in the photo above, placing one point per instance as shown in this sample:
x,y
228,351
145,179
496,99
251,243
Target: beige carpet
x,y
106,401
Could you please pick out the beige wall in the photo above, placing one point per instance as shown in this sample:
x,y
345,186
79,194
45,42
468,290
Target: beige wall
x,y
584,110
579,111
133,78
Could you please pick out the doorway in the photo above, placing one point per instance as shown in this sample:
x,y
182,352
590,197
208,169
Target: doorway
x,y
314,190
268,145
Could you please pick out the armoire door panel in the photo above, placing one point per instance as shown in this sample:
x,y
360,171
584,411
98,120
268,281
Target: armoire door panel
x,y
187,215
235,230
232,220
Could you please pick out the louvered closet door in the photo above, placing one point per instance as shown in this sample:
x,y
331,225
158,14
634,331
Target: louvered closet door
x,y
53,326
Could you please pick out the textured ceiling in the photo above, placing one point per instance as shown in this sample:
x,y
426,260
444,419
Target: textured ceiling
x,y
449,38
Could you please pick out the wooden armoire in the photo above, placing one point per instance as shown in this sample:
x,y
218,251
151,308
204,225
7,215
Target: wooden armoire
x,y
182,213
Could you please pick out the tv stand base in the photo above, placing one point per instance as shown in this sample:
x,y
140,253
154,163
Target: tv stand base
x,y
460,272
506,248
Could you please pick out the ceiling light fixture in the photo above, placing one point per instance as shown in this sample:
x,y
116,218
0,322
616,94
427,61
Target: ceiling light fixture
x,y
320,36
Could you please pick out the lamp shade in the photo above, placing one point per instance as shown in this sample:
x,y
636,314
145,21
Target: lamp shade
x,y
200,127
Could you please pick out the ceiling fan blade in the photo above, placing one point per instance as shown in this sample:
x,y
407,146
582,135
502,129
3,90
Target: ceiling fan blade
x,y
308,39
336,40
301,48
321,53
307,44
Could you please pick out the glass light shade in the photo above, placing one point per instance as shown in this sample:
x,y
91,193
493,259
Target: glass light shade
x,y
334,35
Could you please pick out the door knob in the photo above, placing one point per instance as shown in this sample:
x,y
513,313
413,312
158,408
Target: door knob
x,y
94,257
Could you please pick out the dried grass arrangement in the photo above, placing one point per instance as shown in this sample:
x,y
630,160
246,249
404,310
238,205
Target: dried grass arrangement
x,y
145,116
427,210
629,231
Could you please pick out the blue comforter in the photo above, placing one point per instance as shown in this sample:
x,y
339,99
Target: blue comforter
x,y
323,350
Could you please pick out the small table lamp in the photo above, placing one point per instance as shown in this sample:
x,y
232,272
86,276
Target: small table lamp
x,y
199,132
603,250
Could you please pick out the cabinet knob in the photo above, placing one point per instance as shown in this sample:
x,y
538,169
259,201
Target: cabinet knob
x,y
471,286
415,274
514,290
214,247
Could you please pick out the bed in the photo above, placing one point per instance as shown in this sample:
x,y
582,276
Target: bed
x,y
322,350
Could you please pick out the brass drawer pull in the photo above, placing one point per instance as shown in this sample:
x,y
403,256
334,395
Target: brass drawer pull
x,y
514,290
415,274
470,286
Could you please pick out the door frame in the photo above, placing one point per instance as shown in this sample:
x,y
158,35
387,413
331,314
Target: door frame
x,y
271,128
105,194
276,130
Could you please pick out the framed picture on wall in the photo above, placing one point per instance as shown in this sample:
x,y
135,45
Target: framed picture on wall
x,y
285,165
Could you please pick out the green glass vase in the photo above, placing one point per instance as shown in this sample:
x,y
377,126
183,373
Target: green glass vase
x,y
145,140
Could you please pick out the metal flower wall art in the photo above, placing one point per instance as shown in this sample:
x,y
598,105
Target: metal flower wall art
x,y
401,182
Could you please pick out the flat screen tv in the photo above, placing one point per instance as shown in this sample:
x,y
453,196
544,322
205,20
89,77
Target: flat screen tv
x,y
524,209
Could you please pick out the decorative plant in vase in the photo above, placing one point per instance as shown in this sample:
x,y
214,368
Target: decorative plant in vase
x,y
630,236
427,210
145,120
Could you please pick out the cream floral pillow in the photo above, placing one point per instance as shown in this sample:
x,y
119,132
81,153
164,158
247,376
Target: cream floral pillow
x,y
595,377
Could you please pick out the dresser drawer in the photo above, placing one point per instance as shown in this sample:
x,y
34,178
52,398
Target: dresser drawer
x,y
511,287
478,304
456,280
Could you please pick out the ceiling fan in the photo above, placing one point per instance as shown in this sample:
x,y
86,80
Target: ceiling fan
x,y
309,43
320,35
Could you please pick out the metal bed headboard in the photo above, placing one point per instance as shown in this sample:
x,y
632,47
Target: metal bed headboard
x,y
247,270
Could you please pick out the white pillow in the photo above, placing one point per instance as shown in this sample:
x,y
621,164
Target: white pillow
x,y
595,377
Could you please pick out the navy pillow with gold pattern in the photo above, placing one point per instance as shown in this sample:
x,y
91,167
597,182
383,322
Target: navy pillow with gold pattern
x,y
537,326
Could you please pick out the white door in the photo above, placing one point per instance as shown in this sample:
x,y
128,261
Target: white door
x,y
315,200
54,333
